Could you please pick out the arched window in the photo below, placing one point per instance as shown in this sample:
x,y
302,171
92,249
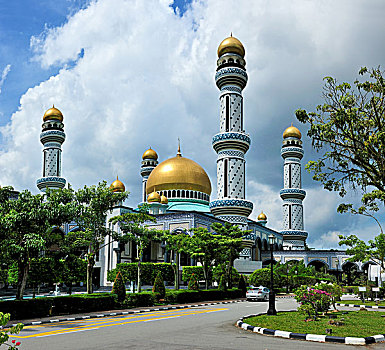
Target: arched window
x,y
178,194
183,194
187,194
173,194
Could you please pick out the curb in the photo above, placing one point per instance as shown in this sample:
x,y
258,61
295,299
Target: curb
x,y
83,317
309,337
362,306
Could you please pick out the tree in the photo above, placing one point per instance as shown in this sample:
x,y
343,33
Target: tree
x,y
176,242
373,251
134,228
349,129
231,242
42,270
193,283
261,277
72,269
206,248
26,226
93,203
242,286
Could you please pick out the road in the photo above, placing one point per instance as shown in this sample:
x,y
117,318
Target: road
x,y
208,327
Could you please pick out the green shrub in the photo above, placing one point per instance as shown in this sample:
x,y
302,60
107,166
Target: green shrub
x,y
220,270
261,277
222,283
119,289
159,287
197,271
242,286
139,299
193,283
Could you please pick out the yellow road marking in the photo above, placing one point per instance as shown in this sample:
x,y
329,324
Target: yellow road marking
x,y
116,321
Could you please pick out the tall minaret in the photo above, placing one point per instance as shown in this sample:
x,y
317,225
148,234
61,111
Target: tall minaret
x,y
294,236
232,142
52,137
149,162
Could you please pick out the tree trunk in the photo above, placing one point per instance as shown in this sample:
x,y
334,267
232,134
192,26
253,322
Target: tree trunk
x,y
206,275
90,268
229,273
139,273
177,262
22,280
70,288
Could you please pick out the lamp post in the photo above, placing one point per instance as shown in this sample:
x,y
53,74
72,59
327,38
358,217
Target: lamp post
x,y
271,310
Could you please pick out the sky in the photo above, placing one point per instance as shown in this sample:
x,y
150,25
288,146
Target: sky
x,y
130,74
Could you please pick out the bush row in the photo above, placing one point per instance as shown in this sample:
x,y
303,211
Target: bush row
x,y
149,270
50,306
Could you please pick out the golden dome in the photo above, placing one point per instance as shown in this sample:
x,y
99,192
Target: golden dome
x,y
231,45
163,200
150,154
117,186
153,197
179,173
53,113
262,217
292,131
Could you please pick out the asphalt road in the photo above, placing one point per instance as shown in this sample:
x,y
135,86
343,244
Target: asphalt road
x,y
209,327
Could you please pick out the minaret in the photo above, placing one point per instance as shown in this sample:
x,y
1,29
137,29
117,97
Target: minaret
x,y
149,162
52,137
294,236
231,143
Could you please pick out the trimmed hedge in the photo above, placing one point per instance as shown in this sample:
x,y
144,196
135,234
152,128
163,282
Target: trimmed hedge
x,y
129,272
42,307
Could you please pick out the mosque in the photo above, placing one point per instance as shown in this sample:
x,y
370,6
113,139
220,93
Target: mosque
x,y
179,192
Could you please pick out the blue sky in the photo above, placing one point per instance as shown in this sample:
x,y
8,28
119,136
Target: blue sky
x,y
132,74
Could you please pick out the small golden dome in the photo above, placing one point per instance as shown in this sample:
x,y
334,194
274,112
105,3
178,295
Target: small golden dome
x,y
163,200
231,45
292,131
179,173
150,154
53,113
117,186
262,217
153,197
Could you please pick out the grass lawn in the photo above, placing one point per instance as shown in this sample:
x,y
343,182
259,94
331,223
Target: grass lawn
x,y
359,302
356,323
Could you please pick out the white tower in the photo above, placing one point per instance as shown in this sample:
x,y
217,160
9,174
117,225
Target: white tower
x,y
52,137
294,236
149,162
231,143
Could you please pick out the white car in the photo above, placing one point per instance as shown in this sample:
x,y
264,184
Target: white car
x,y
257,293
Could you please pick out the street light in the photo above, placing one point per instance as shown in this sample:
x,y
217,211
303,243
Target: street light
x,y
271,310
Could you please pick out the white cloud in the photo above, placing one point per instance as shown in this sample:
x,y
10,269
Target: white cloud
x,y
146,78
4,75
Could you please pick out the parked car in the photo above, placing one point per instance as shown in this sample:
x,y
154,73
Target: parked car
x,y
257,293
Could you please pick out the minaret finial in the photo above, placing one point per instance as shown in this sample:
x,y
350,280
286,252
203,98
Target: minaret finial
x,y
53,105
231,34
179,154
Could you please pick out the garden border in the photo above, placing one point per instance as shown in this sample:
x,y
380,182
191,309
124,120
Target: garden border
x,y
83,317
362,306
308,337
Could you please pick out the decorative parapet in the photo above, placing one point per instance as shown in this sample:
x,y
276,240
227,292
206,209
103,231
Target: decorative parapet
x,y
292,193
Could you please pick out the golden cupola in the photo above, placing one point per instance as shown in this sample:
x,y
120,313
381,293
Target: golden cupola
x,y
163,200
231,45
150,154
53,114
179,173
292,131
262,216
117,186
154,197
